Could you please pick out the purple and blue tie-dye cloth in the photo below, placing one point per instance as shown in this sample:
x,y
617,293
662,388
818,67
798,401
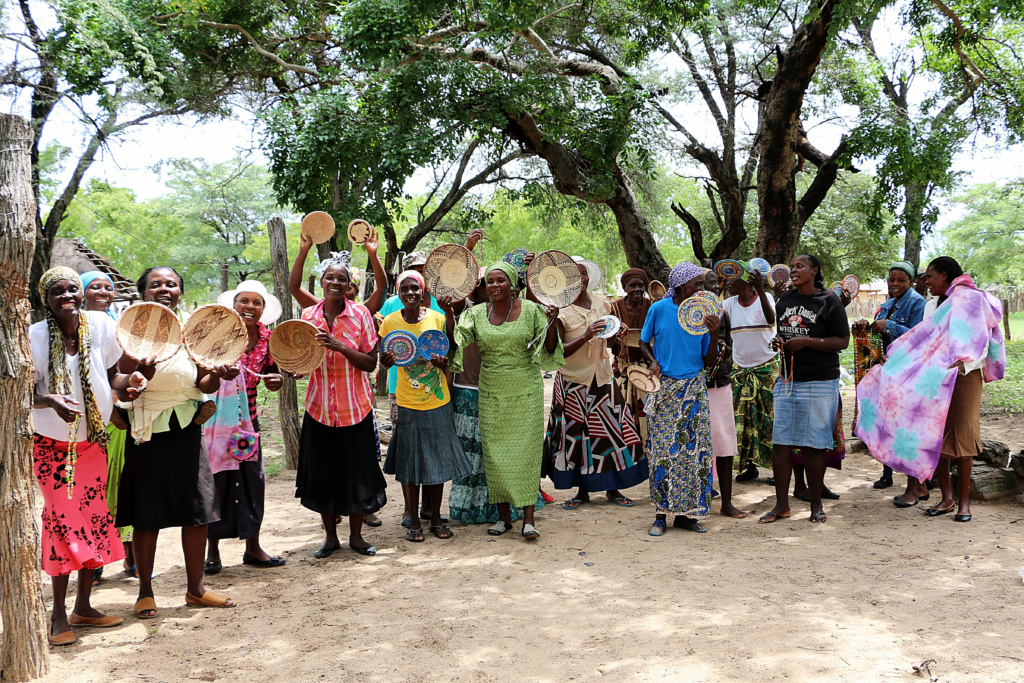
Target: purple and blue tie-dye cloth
x,y
903,403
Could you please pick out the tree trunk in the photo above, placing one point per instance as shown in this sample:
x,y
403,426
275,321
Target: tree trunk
x,y
913,214
782,217
288,402
636,237
25,649
224,278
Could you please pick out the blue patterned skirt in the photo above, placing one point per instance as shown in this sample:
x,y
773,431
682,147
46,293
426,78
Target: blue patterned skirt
x,y
679,447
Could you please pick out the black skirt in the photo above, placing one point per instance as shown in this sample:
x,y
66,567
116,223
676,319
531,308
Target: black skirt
x,y
240,495
167,482
338,471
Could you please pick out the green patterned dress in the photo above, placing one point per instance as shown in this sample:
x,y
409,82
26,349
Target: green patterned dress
x,y
511,397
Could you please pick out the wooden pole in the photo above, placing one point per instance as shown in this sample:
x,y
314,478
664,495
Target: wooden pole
x,y
288,396
25,648
1006,319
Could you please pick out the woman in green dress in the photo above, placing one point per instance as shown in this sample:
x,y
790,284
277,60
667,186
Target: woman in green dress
x,y
516,340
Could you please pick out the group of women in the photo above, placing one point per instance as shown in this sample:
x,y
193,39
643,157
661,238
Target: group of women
x,y
760,386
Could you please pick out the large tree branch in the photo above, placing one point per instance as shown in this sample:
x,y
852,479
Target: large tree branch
x,y
455,194
262,51
823,181
569,67
682,48
969,66
696,234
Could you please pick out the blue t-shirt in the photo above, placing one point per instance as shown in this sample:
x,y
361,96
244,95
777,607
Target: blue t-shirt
x,y
390,306
679,353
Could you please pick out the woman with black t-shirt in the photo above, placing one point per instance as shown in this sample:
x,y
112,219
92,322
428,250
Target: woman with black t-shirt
x,y
812,329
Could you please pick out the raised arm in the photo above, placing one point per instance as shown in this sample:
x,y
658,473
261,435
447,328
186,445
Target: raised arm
x,y
301,294
380,278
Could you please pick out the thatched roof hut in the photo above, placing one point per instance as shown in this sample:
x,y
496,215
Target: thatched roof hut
x,y
74,254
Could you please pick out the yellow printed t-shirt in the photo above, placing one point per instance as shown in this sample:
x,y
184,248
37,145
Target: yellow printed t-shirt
x,y
420,386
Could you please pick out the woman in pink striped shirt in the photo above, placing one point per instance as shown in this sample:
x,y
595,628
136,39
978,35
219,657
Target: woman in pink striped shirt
x,y
338,472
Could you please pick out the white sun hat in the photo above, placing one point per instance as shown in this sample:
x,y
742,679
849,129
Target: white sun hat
x,y
271,304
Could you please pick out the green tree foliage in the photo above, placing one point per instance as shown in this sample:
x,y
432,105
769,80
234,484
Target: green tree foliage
x,y
988,238
837,235
214,215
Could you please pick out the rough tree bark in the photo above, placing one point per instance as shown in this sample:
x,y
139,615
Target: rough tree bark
x,y
783,143
288,402
570,176
25,649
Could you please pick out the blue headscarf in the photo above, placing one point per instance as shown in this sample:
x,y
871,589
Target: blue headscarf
x,y
91,275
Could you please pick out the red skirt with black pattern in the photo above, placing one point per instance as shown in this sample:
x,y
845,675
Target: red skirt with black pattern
x,y
78,533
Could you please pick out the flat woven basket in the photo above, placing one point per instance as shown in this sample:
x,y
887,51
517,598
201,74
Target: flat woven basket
x,y
554,278
215,335
149,330
318,226
451,270
294,348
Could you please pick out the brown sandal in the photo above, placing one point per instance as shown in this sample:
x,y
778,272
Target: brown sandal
x,y
146,605
209,599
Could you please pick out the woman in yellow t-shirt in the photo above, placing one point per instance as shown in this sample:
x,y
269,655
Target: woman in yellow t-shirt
x,y
425,449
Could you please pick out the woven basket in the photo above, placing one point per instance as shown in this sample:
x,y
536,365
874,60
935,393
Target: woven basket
x,y
294,347
148,330
215,335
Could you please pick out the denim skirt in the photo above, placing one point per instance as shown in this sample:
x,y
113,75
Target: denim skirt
x,y
805,413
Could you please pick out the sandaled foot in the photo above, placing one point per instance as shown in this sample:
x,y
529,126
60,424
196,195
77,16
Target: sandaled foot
x,y
414,535
818,517
372,520
657,529
622,501
498,528
442,532
772,517
145,608
574,503
530,532
130,569
939,509
209,599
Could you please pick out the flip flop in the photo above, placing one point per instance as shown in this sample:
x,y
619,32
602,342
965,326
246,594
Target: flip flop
x,y
818,517
414,535
442,532
771,518
209,599
622,501
573,503
146,605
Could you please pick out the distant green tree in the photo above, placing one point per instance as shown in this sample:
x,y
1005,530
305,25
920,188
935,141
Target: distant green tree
x,y
989,238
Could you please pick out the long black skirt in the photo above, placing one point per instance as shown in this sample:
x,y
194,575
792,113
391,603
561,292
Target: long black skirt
x,y
338,471
167,482
240,495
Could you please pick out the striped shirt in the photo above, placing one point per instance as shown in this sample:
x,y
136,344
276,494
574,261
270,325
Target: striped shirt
x,y
339,394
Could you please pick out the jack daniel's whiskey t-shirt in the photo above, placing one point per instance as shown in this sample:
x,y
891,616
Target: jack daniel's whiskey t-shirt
x,y
815,315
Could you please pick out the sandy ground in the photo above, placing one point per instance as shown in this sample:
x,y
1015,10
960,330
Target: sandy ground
x,y
864,597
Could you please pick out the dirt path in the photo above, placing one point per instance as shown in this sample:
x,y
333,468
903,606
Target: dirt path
x,y
866,596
